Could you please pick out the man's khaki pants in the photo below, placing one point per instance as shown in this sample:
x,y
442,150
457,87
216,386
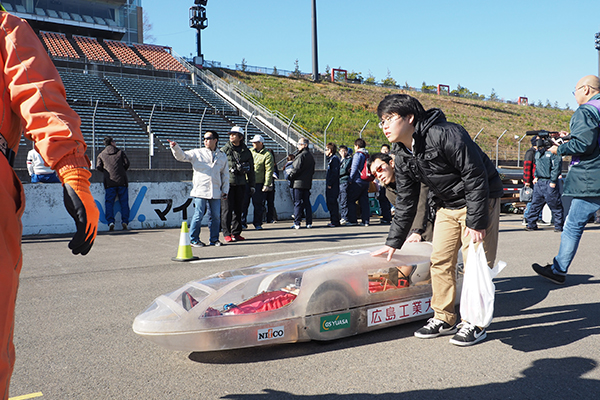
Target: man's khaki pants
x,y
448,238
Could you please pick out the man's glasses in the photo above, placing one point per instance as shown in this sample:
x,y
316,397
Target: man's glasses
x,y
575,91
387,121
209,138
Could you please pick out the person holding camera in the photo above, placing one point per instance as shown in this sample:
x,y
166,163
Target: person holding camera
x,y
241,174
548,167
301,175
583,180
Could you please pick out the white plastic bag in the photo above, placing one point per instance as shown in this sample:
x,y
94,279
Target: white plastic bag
x,y
477,298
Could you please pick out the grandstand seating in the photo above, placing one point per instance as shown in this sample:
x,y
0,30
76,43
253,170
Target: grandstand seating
x,y
184,128
150,92
116,122
124,53
211,97
159,58
92,49
58,45
86,89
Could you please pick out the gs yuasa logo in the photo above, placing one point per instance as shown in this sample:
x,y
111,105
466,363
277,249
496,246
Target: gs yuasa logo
x,y
333,322
271,333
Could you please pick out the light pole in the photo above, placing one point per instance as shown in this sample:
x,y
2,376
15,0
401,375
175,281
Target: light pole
x,y
199,21
314,42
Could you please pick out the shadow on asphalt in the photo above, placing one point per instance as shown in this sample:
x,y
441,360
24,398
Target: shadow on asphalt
x,y
549,378
528,329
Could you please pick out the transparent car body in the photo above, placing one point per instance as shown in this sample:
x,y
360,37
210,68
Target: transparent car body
x,y
320,297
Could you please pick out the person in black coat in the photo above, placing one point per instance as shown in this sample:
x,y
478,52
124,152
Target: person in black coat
x,y
466,190
332,184
301,175
113,163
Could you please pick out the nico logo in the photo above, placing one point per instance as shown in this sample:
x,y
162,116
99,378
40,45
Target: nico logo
x,y
333,322
271,333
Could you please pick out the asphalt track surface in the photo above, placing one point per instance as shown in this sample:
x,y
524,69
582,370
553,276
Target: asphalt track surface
x,y
74,314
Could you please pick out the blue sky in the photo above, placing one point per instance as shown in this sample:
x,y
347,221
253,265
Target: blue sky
x,y
536,49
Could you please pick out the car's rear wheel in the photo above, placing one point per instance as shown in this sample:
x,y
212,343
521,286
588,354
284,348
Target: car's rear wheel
x,y
329,313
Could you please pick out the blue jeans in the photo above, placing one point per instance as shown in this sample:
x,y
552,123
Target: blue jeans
x,y
343,200
214,218
109,201
544,194
582,209
45,178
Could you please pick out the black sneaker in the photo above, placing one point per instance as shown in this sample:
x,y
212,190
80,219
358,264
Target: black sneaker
x,y
547,273
531,228
468,335
435,328
197,244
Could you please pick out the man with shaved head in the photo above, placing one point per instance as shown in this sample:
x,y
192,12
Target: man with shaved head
x,y
583,179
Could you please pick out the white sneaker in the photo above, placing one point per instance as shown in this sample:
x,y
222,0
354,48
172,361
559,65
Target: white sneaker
x,y
468,335
295,226
308,226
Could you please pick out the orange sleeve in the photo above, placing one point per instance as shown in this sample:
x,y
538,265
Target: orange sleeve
x,y
34,99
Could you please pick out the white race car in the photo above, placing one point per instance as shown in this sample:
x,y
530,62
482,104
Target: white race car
x,y
321,297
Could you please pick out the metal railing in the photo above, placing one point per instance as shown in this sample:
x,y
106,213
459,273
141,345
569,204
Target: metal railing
x,y
282,126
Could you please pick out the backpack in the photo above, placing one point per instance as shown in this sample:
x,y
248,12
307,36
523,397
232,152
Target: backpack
x,y
365,174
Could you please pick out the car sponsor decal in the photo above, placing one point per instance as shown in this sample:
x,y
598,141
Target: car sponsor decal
x,y
398,311
333,322
271,333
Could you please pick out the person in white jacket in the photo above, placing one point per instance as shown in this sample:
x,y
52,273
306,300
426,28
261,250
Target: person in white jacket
x,y
210,185
38,170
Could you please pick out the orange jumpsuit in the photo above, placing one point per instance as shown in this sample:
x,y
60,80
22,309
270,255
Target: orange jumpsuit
x,y
32,102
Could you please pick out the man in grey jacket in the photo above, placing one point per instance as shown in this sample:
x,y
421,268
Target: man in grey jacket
x,y
210,185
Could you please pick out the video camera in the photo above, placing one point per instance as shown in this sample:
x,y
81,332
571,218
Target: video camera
x,y
548,139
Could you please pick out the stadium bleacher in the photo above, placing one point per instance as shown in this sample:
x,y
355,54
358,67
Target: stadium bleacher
x,y
162,94
116,122
159,58
58,45
114,87
92,49
87,88
124,53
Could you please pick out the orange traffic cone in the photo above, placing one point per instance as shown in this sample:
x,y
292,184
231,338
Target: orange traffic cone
x,y
184,253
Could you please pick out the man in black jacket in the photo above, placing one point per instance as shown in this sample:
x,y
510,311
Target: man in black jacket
x,y
301,176
466,189
332,184
241,177
113,163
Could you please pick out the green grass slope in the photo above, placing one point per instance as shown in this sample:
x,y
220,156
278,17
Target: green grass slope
x,y
352,105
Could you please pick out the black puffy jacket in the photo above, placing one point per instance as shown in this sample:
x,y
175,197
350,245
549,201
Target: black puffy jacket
x,y
455,169
303,169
